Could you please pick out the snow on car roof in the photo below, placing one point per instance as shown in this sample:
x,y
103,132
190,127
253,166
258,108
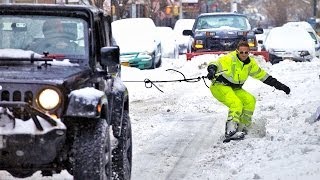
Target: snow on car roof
x,y
289,38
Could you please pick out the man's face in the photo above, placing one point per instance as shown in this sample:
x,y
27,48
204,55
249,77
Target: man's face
x,y
243,52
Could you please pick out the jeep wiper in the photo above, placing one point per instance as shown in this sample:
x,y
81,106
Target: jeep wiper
x,y
20,55
32,59
44,58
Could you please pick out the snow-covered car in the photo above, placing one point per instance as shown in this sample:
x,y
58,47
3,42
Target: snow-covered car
x,y
289,43
169,44
305,25
139,44
185,42
261,38
63,105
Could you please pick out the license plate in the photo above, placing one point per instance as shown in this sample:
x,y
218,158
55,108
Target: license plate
x,y
125,64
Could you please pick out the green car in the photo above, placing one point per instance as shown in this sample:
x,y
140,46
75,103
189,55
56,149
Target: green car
x,y
141,60
139,44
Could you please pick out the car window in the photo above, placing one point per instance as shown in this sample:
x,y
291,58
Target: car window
x,y
216,21
312,35
55,35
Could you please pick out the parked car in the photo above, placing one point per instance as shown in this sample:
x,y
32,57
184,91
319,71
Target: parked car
x,y
289,43
222,32
169,44
139,44
305,25
185,42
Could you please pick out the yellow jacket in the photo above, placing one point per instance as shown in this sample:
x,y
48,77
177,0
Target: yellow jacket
x,y
236,72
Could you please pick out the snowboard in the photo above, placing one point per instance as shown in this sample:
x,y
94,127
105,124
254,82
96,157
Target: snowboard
x,y
235,137
226,140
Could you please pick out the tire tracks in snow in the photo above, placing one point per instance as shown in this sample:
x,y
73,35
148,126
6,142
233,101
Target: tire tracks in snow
x,y
170,151
202,140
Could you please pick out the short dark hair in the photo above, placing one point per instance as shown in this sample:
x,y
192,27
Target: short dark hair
x,y
243,43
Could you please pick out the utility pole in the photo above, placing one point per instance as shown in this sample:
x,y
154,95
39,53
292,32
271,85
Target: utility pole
x,y
180,10
315,8
233,6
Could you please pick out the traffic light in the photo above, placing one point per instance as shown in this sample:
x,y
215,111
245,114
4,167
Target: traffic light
x,y
168,10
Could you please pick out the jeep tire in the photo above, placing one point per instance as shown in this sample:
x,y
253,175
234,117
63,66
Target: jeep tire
x,y
92,151
122,154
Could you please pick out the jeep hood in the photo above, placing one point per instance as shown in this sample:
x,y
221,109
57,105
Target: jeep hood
x,y
50,75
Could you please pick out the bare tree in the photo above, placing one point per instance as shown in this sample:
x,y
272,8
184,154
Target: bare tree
x,y
281,11
153,7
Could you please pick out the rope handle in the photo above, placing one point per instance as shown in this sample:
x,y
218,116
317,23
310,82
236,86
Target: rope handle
x,y
149,84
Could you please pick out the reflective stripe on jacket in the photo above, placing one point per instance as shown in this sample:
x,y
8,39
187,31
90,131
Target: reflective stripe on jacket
x,y
236,72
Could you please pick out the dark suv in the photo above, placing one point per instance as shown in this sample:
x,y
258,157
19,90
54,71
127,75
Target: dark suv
x,y
63,104
221,32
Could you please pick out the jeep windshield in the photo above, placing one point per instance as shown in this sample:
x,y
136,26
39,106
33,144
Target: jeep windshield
x,y
53,37
223,22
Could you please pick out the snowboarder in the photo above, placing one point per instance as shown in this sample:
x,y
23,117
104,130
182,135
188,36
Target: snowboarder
x,y
233,70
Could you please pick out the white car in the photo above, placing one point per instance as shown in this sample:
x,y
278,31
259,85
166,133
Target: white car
x,y
305,25
169,44
139,43
289,43
185,42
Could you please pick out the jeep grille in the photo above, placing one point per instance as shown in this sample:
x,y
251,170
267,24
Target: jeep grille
x,y
17,95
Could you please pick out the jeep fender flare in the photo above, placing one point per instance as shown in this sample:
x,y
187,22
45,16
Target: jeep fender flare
x,y
120,102
82,104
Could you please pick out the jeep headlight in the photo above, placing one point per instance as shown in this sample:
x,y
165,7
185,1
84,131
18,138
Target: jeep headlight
x,y
49,99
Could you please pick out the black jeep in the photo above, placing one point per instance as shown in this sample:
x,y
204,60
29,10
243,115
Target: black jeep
x,y
221,32
63,104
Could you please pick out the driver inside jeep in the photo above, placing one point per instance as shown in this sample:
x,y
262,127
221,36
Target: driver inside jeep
x,y
58,39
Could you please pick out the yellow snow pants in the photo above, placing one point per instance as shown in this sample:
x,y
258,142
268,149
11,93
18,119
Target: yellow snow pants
x,y
241,103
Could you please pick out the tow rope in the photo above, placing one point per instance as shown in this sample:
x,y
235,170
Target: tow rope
x,y
149,84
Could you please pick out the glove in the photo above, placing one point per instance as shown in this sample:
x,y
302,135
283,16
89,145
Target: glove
x,y
278,85
285,88
282,87
212,69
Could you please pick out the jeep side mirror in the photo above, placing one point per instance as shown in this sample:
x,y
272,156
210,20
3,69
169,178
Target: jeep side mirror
x,y
187,33
110,58
258,30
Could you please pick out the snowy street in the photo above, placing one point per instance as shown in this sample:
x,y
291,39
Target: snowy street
x,y
178,134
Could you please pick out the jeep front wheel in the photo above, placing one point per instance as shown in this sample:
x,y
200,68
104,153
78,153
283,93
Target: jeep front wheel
x,y
92,150
122,154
